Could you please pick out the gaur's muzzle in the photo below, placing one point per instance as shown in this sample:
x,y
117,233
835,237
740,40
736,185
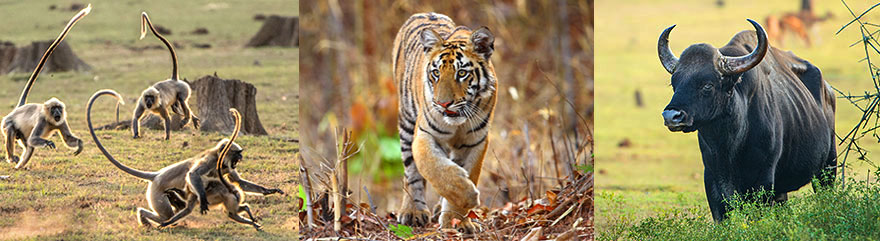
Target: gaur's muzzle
x,y
677,120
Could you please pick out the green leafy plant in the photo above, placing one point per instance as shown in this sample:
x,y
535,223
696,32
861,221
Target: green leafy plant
x,y
301,193
401,230
584,168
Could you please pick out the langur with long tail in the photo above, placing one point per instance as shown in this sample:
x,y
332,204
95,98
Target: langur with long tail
x,y
218,190
31,124
168,184
172,93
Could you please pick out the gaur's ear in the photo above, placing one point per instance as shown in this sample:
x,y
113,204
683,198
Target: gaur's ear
x,y
484,42
430,39
729,82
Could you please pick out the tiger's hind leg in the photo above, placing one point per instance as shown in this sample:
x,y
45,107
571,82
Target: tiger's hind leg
x,y
414,209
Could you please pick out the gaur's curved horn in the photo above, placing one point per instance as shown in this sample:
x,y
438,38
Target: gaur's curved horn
x,y
736,65
667,58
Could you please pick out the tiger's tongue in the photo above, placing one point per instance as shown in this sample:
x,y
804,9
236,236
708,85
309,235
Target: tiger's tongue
x,y
449,112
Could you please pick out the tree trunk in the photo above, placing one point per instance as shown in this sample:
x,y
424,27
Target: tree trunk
x,y
26,58
215,97
277,31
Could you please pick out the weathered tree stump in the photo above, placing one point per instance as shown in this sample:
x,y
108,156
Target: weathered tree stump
x,y
215,97
7,53
26,58
154,122
277,31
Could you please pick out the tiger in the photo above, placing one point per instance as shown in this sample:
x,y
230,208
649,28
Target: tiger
x,y
447,87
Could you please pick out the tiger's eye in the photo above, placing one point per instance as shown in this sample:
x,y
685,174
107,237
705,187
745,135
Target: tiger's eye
x,y
462,73
435,72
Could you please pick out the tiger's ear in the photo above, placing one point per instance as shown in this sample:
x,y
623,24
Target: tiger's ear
x,y
484,42
431,38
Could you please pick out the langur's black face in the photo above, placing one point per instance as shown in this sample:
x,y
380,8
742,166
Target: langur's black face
x,y
149,100
57,113
234,157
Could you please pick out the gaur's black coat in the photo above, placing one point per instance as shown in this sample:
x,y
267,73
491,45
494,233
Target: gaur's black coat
x,y
770,127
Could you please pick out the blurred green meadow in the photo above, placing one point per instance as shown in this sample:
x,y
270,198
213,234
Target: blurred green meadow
x,y
643,169
61,196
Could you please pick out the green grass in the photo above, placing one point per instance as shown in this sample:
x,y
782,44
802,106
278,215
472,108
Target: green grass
x,y
850,213
61,196
662,172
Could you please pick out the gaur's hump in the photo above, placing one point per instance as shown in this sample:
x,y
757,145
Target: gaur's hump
x,y
743,42
744,37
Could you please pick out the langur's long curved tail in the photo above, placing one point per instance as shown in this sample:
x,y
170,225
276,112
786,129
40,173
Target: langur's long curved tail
x,y
30,83
134,172
145,23
237,117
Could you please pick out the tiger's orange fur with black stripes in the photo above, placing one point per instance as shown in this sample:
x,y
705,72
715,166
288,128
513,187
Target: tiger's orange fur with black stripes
x,y
447,88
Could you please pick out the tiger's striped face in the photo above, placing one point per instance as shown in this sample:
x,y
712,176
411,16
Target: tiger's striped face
x,y
458,78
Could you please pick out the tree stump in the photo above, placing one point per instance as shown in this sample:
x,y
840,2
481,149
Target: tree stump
x,y
7,53
26,58
215,97
154,122
277,31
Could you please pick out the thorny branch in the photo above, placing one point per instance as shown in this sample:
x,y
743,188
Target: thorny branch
x,y
867,103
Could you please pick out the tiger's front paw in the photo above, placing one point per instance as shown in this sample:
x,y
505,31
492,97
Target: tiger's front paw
x,y
465,225
13,160
468,198
469,227
414,215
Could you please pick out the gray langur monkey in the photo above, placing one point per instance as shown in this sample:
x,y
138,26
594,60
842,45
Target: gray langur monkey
x,y
31,124
166,185
219,191
171,93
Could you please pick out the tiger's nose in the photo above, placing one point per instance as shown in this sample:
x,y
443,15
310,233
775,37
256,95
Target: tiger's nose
x,y
444,104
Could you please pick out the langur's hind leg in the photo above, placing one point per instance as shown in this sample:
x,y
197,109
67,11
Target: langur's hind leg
x,y
190,204
25,157
10,145
232,209
162,209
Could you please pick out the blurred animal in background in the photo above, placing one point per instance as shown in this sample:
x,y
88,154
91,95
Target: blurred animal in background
x,y
799,23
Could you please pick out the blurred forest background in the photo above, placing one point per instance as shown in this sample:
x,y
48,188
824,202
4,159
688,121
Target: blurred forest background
x,y
543,56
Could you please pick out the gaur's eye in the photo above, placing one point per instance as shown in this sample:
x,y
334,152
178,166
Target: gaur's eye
x,y
462,73
707,87
436,73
